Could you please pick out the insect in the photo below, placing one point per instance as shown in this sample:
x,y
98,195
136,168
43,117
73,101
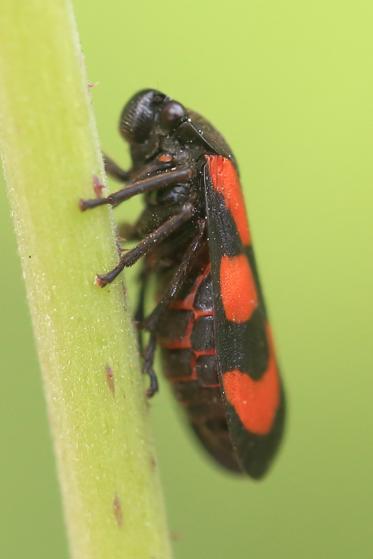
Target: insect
x,y
210,320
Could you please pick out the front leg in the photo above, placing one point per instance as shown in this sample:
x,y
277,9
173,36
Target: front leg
x,y
162,163
114,171
155,182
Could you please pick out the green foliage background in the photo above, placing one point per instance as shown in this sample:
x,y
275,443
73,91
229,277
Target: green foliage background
x,y
289,84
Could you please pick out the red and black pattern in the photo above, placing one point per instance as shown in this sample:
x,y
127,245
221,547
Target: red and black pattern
x,y
244,347
187,340
210,320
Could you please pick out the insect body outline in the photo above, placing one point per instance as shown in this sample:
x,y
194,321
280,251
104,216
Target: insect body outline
x,y
210,319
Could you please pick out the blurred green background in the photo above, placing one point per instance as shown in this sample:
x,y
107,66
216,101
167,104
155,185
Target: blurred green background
x,y
290,85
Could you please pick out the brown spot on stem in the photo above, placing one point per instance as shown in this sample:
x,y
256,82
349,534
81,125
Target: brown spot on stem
x,y
110,381
176,536
153,463
117,510
97,186
124,290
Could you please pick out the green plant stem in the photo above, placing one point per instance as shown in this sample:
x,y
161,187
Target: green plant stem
x,y
94,389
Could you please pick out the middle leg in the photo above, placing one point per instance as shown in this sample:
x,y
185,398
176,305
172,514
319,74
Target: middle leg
x,y
148,244
152,321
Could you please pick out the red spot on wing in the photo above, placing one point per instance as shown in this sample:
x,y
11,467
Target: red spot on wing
x,y
225,180
237,286
255,401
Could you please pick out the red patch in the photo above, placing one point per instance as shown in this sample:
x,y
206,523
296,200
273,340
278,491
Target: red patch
x,y
187,304
225,180
237,286
165,158
255,401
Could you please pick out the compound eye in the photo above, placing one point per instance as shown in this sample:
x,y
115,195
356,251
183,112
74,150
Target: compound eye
x,y
137,118
171,115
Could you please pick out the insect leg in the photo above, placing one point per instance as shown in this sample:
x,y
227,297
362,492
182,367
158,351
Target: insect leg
x,y
140,309
162,180
128,232
114,171
148,366
166,161
152,320
152,240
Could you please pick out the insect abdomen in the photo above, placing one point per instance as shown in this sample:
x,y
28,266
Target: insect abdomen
x,y
187,340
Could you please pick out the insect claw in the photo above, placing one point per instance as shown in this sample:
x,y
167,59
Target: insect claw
x,y
101,281
83,205
153,388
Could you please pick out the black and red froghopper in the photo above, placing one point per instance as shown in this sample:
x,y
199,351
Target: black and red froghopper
x,y
210,319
